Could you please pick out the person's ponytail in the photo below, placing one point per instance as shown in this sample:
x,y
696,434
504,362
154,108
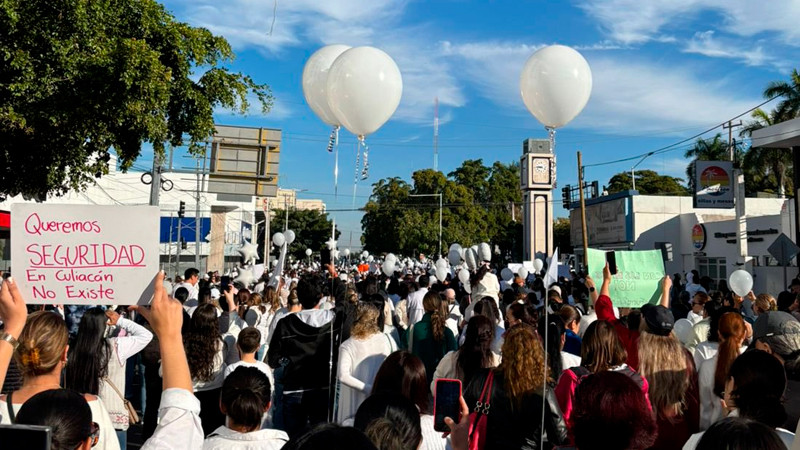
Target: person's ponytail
x,y
245,397
732,333
433,303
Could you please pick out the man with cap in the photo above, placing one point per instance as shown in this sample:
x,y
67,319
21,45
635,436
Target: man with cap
x,y
778,333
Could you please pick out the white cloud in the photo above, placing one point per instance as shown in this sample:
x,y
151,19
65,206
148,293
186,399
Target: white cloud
x,y
309,23
638,21
629,96
704,43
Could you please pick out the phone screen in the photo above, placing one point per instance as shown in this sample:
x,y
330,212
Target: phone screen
x,y
446,403
325,257
25,436
611,258
223,284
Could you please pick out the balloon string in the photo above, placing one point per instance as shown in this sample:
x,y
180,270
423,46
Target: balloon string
x,y
365,171
355,179
551,133
335,135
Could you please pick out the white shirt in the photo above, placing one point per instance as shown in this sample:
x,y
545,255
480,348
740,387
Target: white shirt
x,y
694,318
192,288
179,425
223,438
710,404
569,360
705,351
414,306
359,361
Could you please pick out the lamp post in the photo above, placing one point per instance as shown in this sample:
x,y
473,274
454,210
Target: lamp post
x,y
440,215
633,173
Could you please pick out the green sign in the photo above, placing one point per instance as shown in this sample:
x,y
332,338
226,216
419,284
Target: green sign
x,y
638,278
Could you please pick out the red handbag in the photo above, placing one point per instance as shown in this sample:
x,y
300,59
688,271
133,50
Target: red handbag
x,y
478,418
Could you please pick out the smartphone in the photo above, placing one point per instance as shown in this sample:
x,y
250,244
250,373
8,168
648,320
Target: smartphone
x,y
225,281
25,436
611,259
446,403
325,257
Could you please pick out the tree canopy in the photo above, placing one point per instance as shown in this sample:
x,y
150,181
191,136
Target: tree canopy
x,y
477,200
79,78
648,182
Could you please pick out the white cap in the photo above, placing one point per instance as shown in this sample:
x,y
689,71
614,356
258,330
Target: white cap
x,y
215,294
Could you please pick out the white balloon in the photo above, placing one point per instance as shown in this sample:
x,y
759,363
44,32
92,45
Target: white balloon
x,y
388,268
555,85
506,274
370,258
245,277
538,264
315,81
248,251
308,252
456,247
471,257
454,256
463,276
683,330
390,257
336,254
740,282
364,89
278,239
523,273
289,235
441,263
484,252
441,274
347,252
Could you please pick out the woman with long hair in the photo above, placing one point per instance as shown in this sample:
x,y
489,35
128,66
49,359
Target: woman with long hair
x,y
360,357
67,414
260,312
42,356
557,359
475,354
483,283
245,399
517,386
521,314
487,307
602,351
430,339
97,362
670,373
714,372
764,303
404,373
205,351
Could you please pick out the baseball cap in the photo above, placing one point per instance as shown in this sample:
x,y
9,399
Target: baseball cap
x,y
772,323
659,319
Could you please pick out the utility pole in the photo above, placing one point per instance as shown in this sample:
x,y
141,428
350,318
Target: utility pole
x,y
155,185
738,194
436,134
583,215
181,214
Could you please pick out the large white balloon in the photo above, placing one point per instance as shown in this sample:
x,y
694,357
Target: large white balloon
x,y
683,330
278,239
454,256
388,268
441,263
555,84
523,273
740,282
249,252
289,235
347,252
463,276
506,274
441,274
315,81
308,252
538,264
364,89
484,252
471,257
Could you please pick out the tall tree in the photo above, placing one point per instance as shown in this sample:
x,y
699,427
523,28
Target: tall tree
x,y
81,77
789,91
648,182
767,169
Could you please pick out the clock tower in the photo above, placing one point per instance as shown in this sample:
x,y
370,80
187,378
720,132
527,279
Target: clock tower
x,y
537,181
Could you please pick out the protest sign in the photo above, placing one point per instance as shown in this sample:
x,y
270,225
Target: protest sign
x,y
638,278
84,255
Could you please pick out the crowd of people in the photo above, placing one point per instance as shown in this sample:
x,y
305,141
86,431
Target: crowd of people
x,y
351,359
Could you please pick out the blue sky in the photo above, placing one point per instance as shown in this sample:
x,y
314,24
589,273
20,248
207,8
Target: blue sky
x,y
662,71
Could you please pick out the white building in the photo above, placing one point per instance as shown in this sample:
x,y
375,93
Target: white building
x,y
223,224
702,239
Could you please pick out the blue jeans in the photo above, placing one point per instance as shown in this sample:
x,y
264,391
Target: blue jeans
x,y
123,439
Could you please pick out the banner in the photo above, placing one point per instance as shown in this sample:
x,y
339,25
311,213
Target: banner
x,y
713,184
638,278
84,255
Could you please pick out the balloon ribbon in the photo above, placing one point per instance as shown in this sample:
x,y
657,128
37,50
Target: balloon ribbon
x,y
333,144
365,171
355,178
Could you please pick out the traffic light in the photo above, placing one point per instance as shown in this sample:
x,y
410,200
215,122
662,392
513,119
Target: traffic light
x,y
182,209
566,196
183,244
595,190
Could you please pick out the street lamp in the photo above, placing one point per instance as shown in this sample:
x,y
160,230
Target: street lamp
x,y
633,174
440,215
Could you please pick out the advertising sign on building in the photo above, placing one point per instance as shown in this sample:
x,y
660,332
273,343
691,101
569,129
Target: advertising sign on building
x,y
713,184
609,223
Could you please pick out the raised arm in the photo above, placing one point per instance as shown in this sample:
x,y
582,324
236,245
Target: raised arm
x,y
666,285
589,283
604,288
14,313
137,338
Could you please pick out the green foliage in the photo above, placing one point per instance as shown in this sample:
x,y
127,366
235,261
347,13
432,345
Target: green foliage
x,y
789,106
477,207
82,77
713,149
561,230
648,182
766,169
312,229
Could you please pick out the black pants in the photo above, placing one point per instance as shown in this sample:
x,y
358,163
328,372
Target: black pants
x,y
210,414
304,410
153,388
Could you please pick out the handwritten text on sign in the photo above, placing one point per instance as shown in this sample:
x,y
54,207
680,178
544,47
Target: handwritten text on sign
x,y
638,278
76,254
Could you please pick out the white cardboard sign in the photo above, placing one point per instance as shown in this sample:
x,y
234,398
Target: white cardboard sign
x,y
84,255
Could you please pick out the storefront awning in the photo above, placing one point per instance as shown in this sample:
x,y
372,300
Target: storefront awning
x,y
782,135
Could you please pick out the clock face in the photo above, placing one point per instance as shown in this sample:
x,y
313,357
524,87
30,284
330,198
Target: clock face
x,y
541,170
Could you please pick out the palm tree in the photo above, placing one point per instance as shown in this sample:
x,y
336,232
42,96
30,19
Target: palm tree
x,y
765,162
714,149
789,106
